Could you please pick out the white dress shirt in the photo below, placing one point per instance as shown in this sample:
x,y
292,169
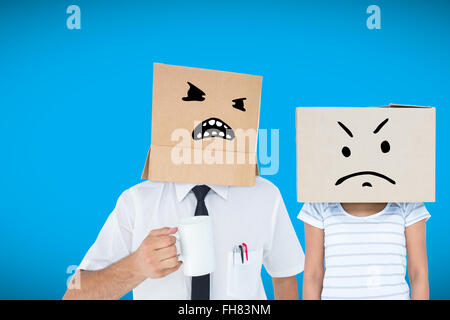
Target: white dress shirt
x,y
254,215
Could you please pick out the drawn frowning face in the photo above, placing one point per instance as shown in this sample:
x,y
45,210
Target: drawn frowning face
x,y
365,154
385,147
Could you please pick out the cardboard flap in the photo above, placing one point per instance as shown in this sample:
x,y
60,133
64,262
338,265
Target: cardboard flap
x,y
145,172
157,169
393,105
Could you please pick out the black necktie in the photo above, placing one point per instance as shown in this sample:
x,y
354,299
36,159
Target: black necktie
x,y
200,284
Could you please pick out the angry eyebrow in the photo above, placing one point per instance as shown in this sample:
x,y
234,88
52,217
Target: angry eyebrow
x,y
345,129
381,126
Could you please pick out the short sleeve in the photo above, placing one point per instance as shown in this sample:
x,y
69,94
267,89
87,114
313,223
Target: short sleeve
x,y
311,213
115,238
415,212
284,256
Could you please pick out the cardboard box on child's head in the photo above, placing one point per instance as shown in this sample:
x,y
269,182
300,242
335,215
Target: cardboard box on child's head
x,y
204,126
372,154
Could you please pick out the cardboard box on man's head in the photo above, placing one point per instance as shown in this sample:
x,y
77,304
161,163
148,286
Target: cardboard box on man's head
x,y
204,126
372,154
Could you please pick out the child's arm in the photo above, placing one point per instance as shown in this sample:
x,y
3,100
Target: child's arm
x,y
285,288
417,260
314,266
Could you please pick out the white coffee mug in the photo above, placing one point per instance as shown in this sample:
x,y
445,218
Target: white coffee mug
x,y
196,244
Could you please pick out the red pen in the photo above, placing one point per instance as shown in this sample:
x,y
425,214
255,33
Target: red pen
x,y
246,250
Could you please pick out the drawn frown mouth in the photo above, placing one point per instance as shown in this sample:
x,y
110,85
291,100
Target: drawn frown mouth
x,y
361,173
212,128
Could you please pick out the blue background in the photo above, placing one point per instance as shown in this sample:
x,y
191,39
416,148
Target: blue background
x,y
76,105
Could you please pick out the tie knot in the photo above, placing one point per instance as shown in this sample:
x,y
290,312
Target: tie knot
x,y
201,191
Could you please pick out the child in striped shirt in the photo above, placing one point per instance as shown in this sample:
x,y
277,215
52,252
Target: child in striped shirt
x,y
361,250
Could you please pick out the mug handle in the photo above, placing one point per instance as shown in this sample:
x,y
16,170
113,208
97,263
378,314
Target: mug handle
x,y
178,246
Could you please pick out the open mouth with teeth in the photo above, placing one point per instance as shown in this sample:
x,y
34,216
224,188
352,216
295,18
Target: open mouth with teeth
x,y
212,128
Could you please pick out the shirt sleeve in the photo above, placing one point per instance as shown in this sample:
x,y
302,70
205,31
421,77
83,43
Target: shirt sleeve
x,y
115,238
284,256
415,212
311,213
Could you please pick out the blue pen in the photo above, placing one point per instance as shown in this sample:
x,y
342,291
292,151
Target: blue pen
x,y
242,253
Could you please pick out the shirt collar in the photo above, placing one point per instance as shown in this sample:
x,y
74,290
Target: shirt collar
x,y
182,189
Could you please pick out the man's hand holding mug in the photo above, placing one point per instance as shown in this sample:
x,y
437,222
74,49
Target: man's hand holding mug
x,y
157,255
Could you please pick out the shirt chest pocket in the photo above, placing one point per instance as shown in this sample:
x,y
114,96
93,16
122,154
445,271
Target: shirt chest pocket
x,y
243,278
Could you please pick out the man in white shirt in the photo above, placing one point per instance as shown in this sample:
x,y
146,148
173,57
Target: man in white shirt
x,y
135,249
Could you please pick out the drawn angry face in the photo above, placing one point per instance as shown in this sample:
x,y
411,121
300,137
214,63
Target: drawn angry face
x,y
385,147
209,110
365,154
212,127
